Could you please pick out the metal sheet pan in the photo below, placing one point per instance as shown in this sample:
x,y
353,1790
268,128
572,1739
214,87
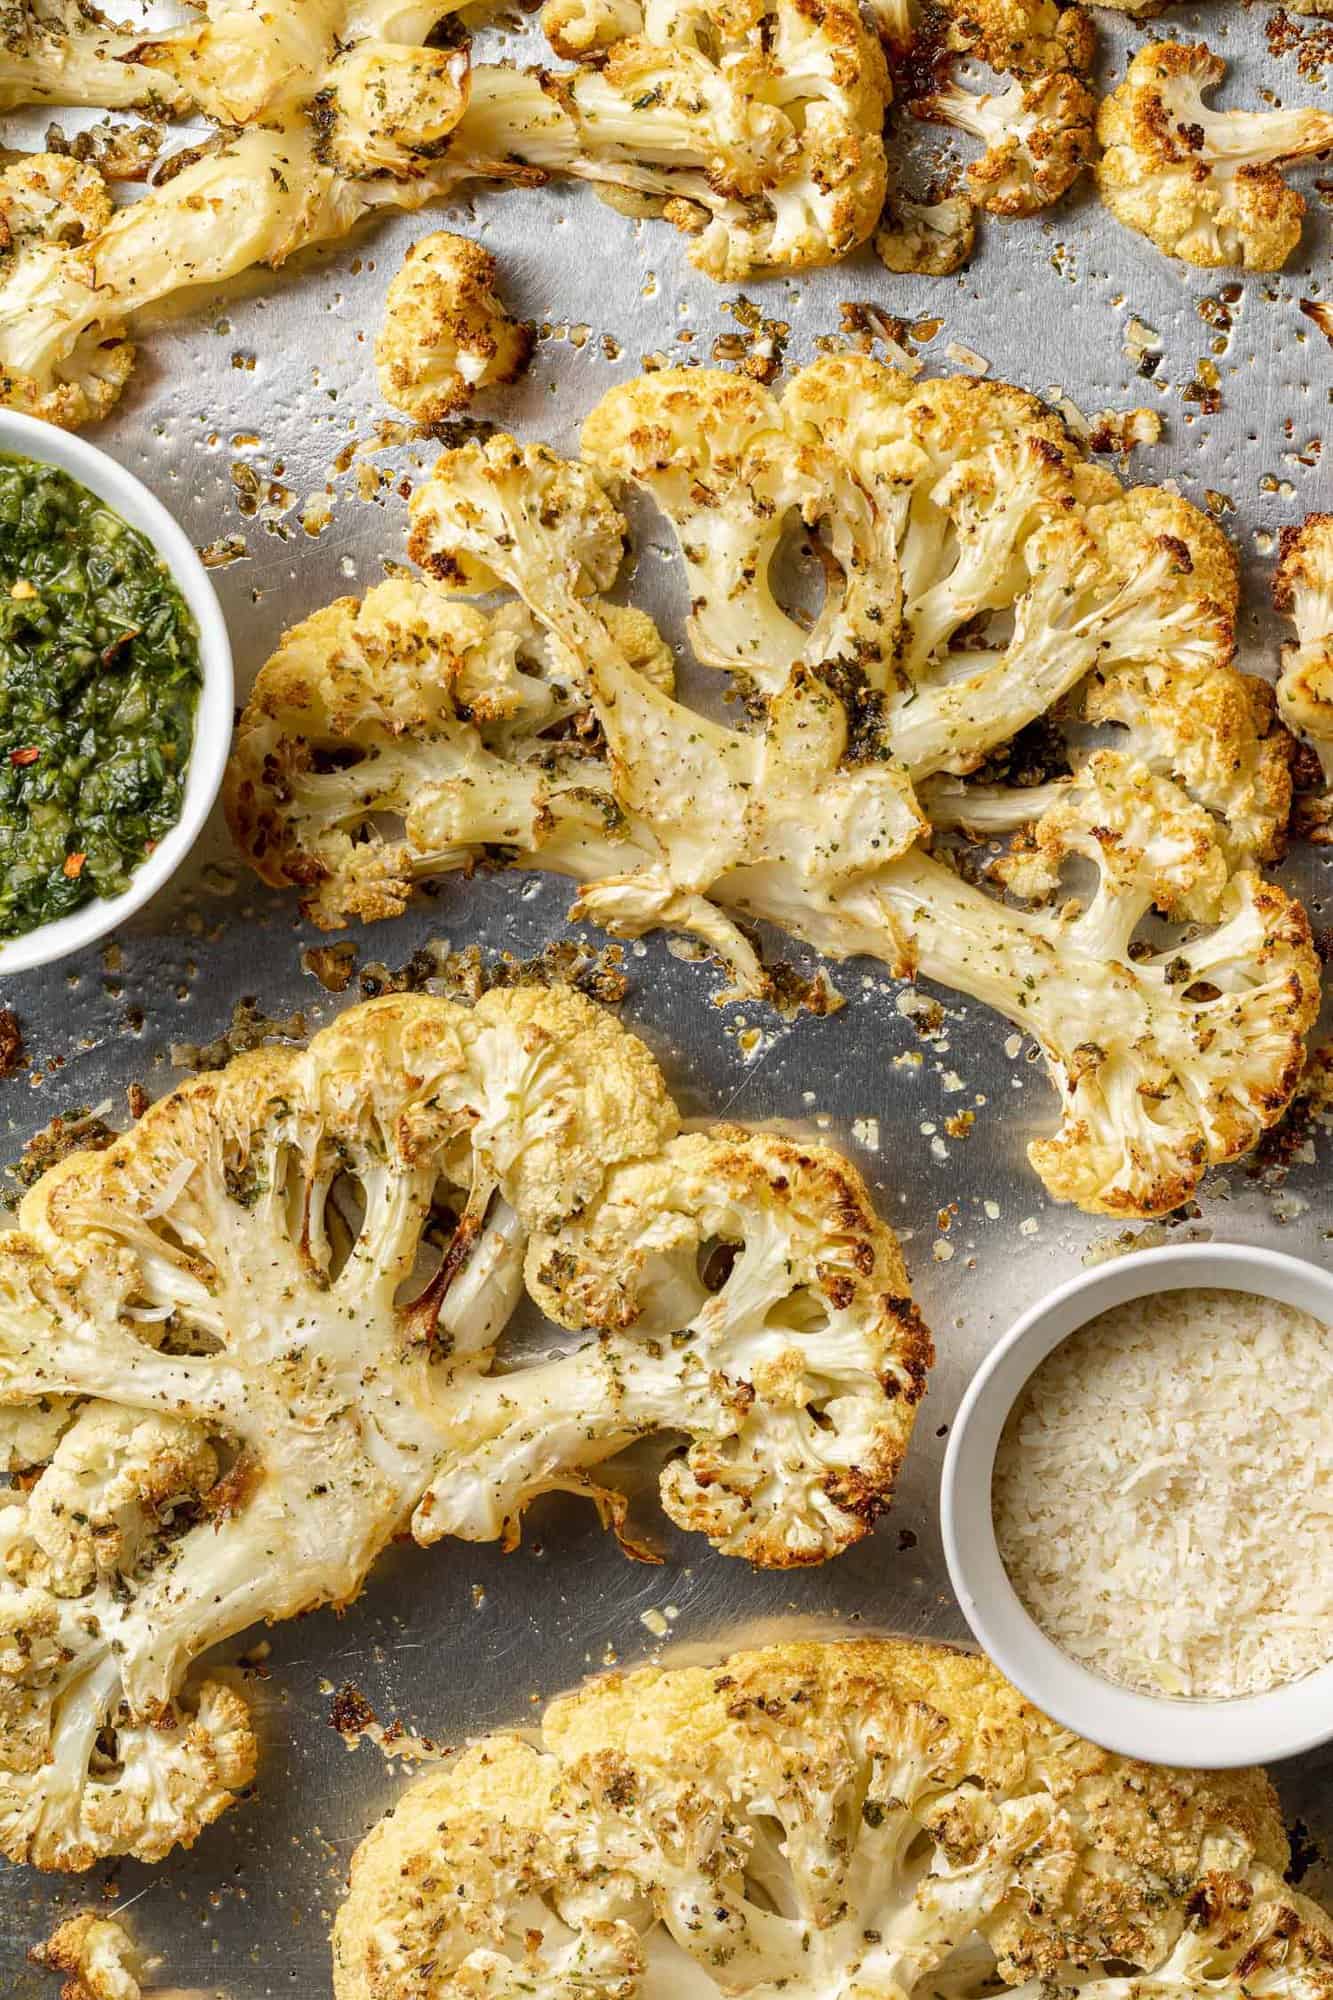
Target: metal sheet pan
x,y
255,409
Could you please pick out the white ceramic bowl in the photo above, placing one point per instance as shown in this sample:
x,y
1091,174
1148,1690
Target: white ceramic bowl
x,y
1251,1729
26,437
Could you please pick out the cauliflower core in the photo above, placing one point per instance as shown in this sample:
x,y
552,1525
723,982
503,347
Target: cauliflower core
x,y
1203,185
445,333
981,575
824,1822
252,1342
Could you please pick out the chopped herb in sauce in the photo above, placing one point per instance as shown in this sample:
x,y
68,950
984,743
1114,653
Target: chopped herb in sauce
x,y
99,681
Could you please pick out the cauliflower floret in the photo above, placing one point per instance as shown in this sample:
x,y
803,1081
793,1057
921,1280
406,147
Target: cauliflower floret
x,y
1184,710
878,1817
384,109
445,333
407,704
794,1371
274,1308
1038,139
930,237
759,126
97,1954
1166,1060
1030,38
114,1479
52,211
1203,185
361,66
1303,592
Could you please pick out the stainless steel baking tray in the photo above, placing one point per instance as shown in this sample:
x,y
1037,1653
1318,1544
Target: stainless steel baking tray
x,y
249,413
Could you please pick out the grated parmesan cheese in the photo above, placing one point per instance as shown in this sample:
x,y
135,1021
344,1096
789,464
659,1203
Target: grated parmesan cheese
x,y
1163,1494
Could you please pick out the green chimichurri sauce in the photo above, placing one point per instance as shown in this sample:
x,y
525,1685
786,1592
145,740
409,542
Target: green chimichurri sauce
x,y
99,681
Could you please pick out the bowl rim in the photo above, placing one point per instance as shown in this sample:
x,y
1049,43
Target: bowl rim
x,y
104,476
1221,1734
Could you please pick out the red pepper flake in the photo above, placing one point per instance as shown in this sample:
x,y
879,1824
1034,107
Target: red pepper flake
x,y
74,864
21,757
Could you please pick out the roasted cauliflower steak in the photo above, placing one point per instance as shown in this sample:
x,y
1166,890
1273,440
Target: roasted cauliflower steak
x,y
1204,185
253,1340
825,1821
981,577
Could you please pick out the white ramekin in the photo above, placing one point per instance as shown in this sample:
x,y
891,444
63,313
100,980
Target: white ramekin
x,y
26,437
1251,1729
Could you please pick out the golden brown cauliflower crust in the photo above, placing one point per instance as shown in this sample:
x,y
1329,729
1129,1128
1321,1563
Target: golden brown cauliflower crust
x,y
445,333
747,1825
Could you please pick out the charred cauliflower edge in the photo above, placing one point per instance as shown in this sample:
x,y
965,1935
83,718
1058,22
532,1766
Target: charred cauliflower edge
x,y
252,1341
982,578
823,1821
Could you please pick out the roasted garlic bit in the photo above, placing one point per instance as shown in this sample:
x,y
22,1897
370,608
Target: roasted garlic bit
x,y
445,333
1203,185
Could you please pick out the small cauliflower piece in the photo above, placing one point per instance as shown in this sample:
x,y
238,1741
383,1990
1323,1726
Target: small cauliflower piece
x,y
1203,185
52,212
385,109
98,1956
1038,139
825,1820
263,1323
933,238
1027,38
445,333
